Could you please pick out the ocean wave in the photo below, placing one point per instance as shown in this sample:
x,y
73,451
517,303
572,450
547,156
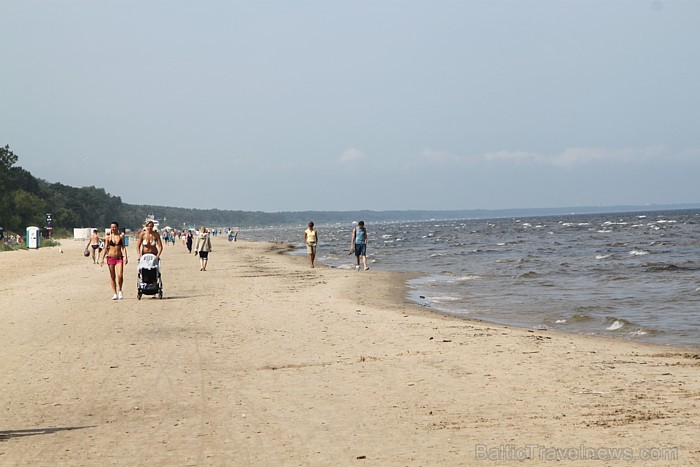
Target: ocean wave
x,y
661,267
618,278
529,275
620,325
603,256
617,324
614,223
444,298
470,277
639,252
581,317
575,224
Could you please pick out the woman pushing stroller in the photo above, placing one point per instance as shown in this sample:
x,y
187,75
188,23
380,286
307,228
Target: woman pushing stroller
x,y
149,242
149,246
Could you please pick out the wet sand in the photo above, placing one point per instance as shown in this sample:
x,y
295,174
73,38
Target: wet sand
x,y
262,360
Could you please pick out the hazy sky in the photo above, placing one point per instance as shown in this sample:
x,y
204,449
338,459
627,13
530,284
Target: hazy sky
x,y
342,105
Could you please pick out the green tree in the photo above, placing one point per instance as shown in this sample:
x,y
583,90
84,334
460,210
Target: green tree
x,y
7,160
29,208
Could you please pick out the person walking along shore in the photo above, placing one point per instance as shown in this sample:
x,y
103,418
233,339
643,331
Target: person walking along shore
x,y
311,240
116,255
94,244
359,244
202,247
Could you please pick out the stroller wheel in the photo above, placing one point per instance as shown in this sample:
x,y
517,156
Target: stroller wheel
x,y
138,296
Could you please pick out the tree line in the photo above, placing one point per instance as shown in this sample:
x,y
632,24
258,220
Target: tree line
x,y
25,201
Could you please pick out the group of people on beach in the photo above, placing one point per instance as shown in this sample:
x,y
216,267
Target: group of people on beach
x,y
358,244
113,250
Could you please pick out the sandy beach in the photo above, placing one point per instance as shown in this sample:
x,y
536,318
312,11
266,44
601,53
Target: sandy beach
x,y
262,360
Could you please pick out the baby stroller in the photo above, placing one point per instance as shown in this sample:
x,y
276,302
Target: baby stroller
x,y
149,282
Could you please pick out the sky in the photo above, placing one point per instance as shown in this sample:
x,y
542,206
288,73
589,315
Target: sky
x,y
349,105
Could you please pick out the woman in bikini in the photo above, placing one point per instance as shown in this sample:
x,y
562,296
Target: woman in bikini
x,y
149,242
115,252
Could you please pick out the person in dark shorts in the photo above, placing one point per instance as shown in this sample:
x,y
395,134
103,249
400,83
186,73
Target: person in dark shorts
x,y
93,245
202,247
359,244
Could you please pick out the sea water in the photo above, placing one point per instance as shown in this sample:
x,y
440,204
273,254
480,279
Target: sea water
x,y
627,275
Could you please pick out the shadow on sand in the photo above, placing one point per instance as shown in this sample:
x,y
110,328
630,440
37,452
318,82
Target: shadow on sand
x,y
10,434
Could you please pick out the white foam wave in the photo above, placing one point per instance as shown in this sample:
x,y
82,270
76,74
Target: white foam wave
x,y
466,278
614,223
614,326
602,256
446,298
639,252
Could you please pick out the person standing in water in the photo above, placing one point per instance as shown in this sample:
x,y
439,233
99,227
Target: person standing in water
x,y
311,240
359,244
116,255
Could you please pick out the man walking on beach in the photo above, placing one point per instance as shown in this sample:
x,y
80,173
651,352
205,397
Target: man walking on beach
x,y
94,243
